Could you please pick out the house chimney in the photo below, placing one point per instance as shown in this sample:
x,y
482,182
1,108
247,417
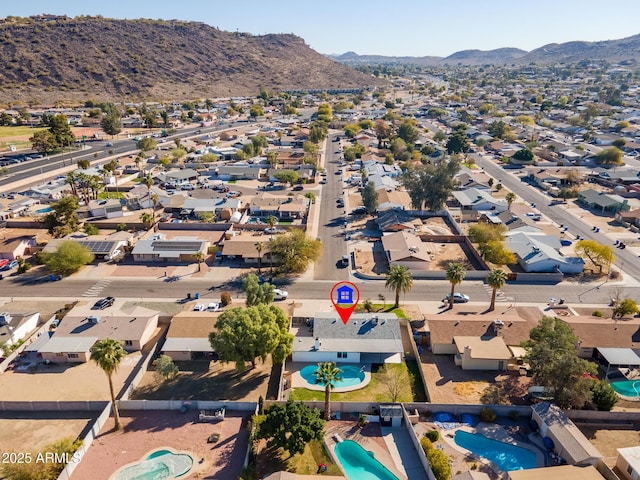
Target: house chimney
x,y
497,327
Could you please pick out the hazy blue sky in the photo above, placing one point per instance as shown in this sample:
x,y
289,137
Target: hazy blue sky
x,y
390,27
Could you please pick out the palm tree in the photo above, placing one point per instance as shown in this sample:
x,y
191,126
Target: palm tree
x,y
327,373
258,246
154,199
70,180
108,354
496,280
147,220
400,279
510,198
455,274
199,257
271,220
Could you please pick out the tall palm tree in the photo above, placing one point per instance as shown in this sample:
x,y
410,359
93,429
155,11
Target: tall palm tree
x,y
399,279
271,220
147,220
327,373
199,257
510,198
70,180
455,274
496,280
108,354
154,199
259,246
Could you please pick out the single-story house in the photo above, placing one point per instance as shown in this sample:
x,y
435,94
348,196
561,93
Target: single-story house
x,y
395,221
407,249
159,248
241,172
605,202
108,208
221,207
565,472
16,326
373,167
383,181
482,353
82,327
243,247
632,217
392,200
603,333
473,200
628,462
265,204
100,245
365,338
541,253
569,442
14,247
188,336
181,176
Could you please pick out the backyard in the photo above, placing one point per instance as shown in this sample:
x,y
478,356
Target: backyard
x,y
401,384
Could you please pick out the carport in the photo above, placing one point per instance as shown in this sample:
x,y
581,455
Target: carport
x,y
617,358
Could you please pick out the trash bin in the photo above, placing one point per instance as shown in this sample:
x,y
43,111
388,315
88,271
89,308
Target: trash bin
x,y
197,296
189,296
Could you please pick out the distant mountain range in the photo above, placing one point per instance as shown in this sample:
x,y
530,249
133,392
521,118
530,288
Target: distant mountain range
x,y
614,51
48,58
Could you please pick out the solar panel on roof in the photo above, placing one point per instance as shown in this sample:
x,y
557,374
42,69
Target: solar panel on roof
x,y
99,247
176,246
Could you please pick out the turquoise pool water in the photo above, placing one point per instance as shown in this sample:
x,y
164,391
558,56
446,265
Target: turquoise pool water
x,y
506,456
359,464
351,376
45,210
158,465
628,388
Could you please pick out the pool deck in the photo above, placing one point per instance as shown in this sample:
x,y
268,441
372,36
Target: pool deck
x,y
371,438
492,431
293,368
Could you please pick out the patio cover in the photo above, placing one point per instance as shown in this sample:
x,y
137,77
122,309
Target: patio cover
x,y
624,357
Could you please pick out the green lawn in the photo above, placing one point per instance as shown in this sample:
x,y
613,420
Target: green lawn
x,y
23,131
232,182
379,307
271,460
377,391
105,195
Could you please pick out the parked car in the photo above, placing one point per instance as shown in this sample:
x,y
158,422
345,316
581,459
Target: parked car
x,y
359,211
11,265
280,294
199,307
274,230
103,303
298,188
457,298
213,307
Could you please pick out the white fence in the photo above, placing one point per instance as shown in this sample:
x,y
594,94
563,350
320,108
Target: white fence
x,y
416,444
193,405
52,406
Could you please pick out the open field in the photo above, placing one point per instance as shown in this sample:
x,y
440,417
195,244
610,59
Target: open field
x,y
608,440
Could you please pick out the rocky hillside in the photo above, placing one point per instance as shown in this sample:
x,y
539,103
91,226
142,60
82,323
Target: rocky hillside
x,y
149,59
623,50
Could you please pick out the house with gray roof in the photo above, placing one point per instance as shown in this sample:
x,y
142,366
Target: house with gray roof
x,y
241,172
366,338
541,253
159,248
605,202
406,249
472,200
180,176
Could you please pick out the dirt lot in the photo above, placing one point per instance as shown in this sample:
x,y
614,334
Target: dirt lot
x,y
150,430
29,432
46,309
204,380
610,439
64,382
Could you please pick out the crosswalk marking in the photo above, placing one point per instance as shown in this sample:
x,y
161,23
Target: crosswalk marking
x,y
500,296
95,289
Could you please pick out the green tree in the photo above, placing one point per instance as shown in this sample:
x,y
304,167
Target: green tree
x,y
455,274
399,279
328,374
61,131
91,229
510,198
68,259
295,250
257,294
259,246
496,279
552,353
324,113
495,251
108,354
370,197
146,144
165,369
484,232
409,133
291,426
147,220
110,123
351,130
458,142
499,129
246,334
597,253
271,221
199,257
524,155
609,156
43,141
625,307
63,218
430,185
84,164
438,460
318,131
256,110
604,396
286,176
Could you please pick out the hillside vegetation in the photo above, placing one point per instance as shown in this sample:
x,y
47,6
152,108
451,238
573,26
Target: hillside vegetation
x,y
94,57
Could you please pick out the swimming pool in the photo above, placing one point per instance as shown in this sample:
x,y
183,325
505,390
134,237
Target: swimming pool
x,y
630,389
351,376
507,457
359,464
45,210
162,464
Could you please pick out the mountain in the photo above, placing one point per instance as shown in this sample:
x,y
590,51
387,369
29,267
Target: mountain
x,y
625,49
92,57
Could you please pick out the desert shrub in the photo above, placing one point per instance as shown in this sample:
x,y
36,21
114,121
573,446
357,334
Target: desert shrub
x,y
487,415
225,298
614,274
432,435
597,313
439,464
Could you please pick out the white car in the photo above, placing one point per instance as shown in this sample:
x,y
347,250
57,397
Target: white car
x,y
213,307
280,294
199,307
